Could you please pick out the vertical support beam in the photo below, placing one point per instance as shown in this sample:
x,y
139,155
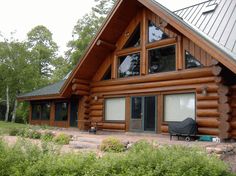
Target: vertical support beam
x,y
30,113
179,61
68,114
127,113
143,42
52,114
159,112
114,67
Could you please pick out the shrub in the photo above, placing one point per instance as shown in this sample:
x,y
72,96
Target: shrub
x,y
14,131
47,137
112,144
62,139
33,134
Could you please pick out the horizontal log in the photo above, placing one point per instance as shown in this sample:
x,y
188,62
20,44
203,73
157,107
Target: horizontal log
x,y
233,105
184,74
81,92
164,129
77,86
97,102
208,104
153,84
216,70
223,99
233,133
80,81
96,113
224,108
106,44
214,62
208,113
224,126
96,107
209,88
207,97
112,126
223,90
208,131
233,124
208,122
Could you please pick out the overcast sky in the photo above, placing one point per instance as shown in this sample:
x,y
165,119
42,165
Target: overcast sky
x,y
59,16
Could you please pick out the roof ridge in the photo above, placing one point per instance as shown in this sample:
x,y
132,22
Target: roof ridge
x,y
192,5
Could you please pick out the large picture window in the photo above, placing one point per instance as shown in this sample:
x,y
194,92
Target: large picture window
x,y
61,111
161,59
115,109
41,111
129,65
178,107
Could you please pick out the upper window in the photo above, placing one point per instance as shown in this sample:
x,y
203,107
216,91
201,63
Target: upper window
x,y
161,59
134,38
107,74
115,109
41,111
191,61
155,33
61,111
129,65
178,107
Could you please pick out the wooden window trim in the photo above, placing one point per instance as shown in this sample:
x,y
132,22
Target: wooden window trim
x,y
161,43
127,51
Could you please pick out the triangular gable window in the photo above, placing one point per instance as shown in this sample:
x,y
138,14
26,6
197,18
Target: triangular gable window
x,y
191,61
134,39
155,33
107,74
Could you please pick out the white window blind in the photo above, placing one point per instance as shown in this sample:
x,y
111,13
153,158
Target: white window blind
x,y
178,107
115,109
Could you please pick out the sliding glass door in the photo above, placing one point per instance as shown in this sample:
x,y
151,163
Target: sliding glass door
x,y
143,113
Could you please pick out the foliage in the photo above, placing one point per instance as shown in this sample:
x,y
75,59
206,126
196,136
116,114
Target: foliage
x,y
86,28
47,137
26,159
112,144
6,127
62,139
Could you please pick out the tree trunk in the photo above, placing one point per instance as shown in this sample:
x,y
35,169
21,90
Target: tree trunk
x,y
7,104
14,112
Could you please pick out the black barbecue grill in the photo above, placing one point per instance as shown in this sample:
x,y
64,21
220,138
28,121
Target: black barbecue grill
x,y
186,128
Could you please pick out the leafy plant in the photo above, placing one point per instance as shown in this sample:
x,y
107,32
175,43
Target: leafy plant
x,y
47,137
34,134
14,131
62,139
112,144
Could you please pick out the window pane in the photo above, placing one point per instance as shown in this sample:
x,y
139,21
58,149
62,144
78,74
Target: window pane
x,y
155,33
161,59
61,111
45,111
129,65
136,108
178,107
191,61
36,108
107,75
115,109
134,39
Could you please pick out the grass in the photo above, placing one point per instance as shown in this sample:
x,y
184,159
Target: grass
x,y
6,127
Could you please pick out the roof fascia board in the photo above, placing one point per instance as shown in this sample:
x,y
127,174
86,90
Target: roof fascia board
x,y
191,33
91,45
44,97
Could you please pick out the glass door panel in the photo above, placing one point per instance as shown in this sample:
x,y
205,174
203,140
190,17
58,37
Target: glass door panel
x,y
136,113
149,113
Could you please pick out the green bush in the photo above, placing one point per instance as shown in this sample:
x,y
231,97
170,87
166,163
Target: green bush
x,y
62,139
112,144
142,159
47,137
14,131
33,134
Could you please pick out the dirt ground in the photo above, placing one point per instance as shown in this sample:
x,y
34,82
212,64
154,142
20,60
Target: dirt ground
x,y
83,141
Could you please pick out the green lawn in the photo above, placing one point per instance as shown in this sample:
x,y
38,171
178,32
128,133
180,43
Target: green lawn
x,y
5,127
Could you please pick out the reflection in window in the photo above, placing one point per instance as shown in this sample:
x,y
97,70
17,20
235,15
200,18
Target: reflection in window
x,y
178,107
61,111
115,109
191,61
129,65
161,59
41,111
136,107
134,39
155,33
107,74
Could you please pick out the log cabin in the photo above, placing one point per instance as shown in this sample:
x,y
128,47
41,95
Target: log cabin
x,y
148,66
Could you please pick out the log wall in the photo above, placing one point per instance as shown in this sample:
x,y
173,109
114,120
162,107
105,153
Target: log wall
x,y
233,112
